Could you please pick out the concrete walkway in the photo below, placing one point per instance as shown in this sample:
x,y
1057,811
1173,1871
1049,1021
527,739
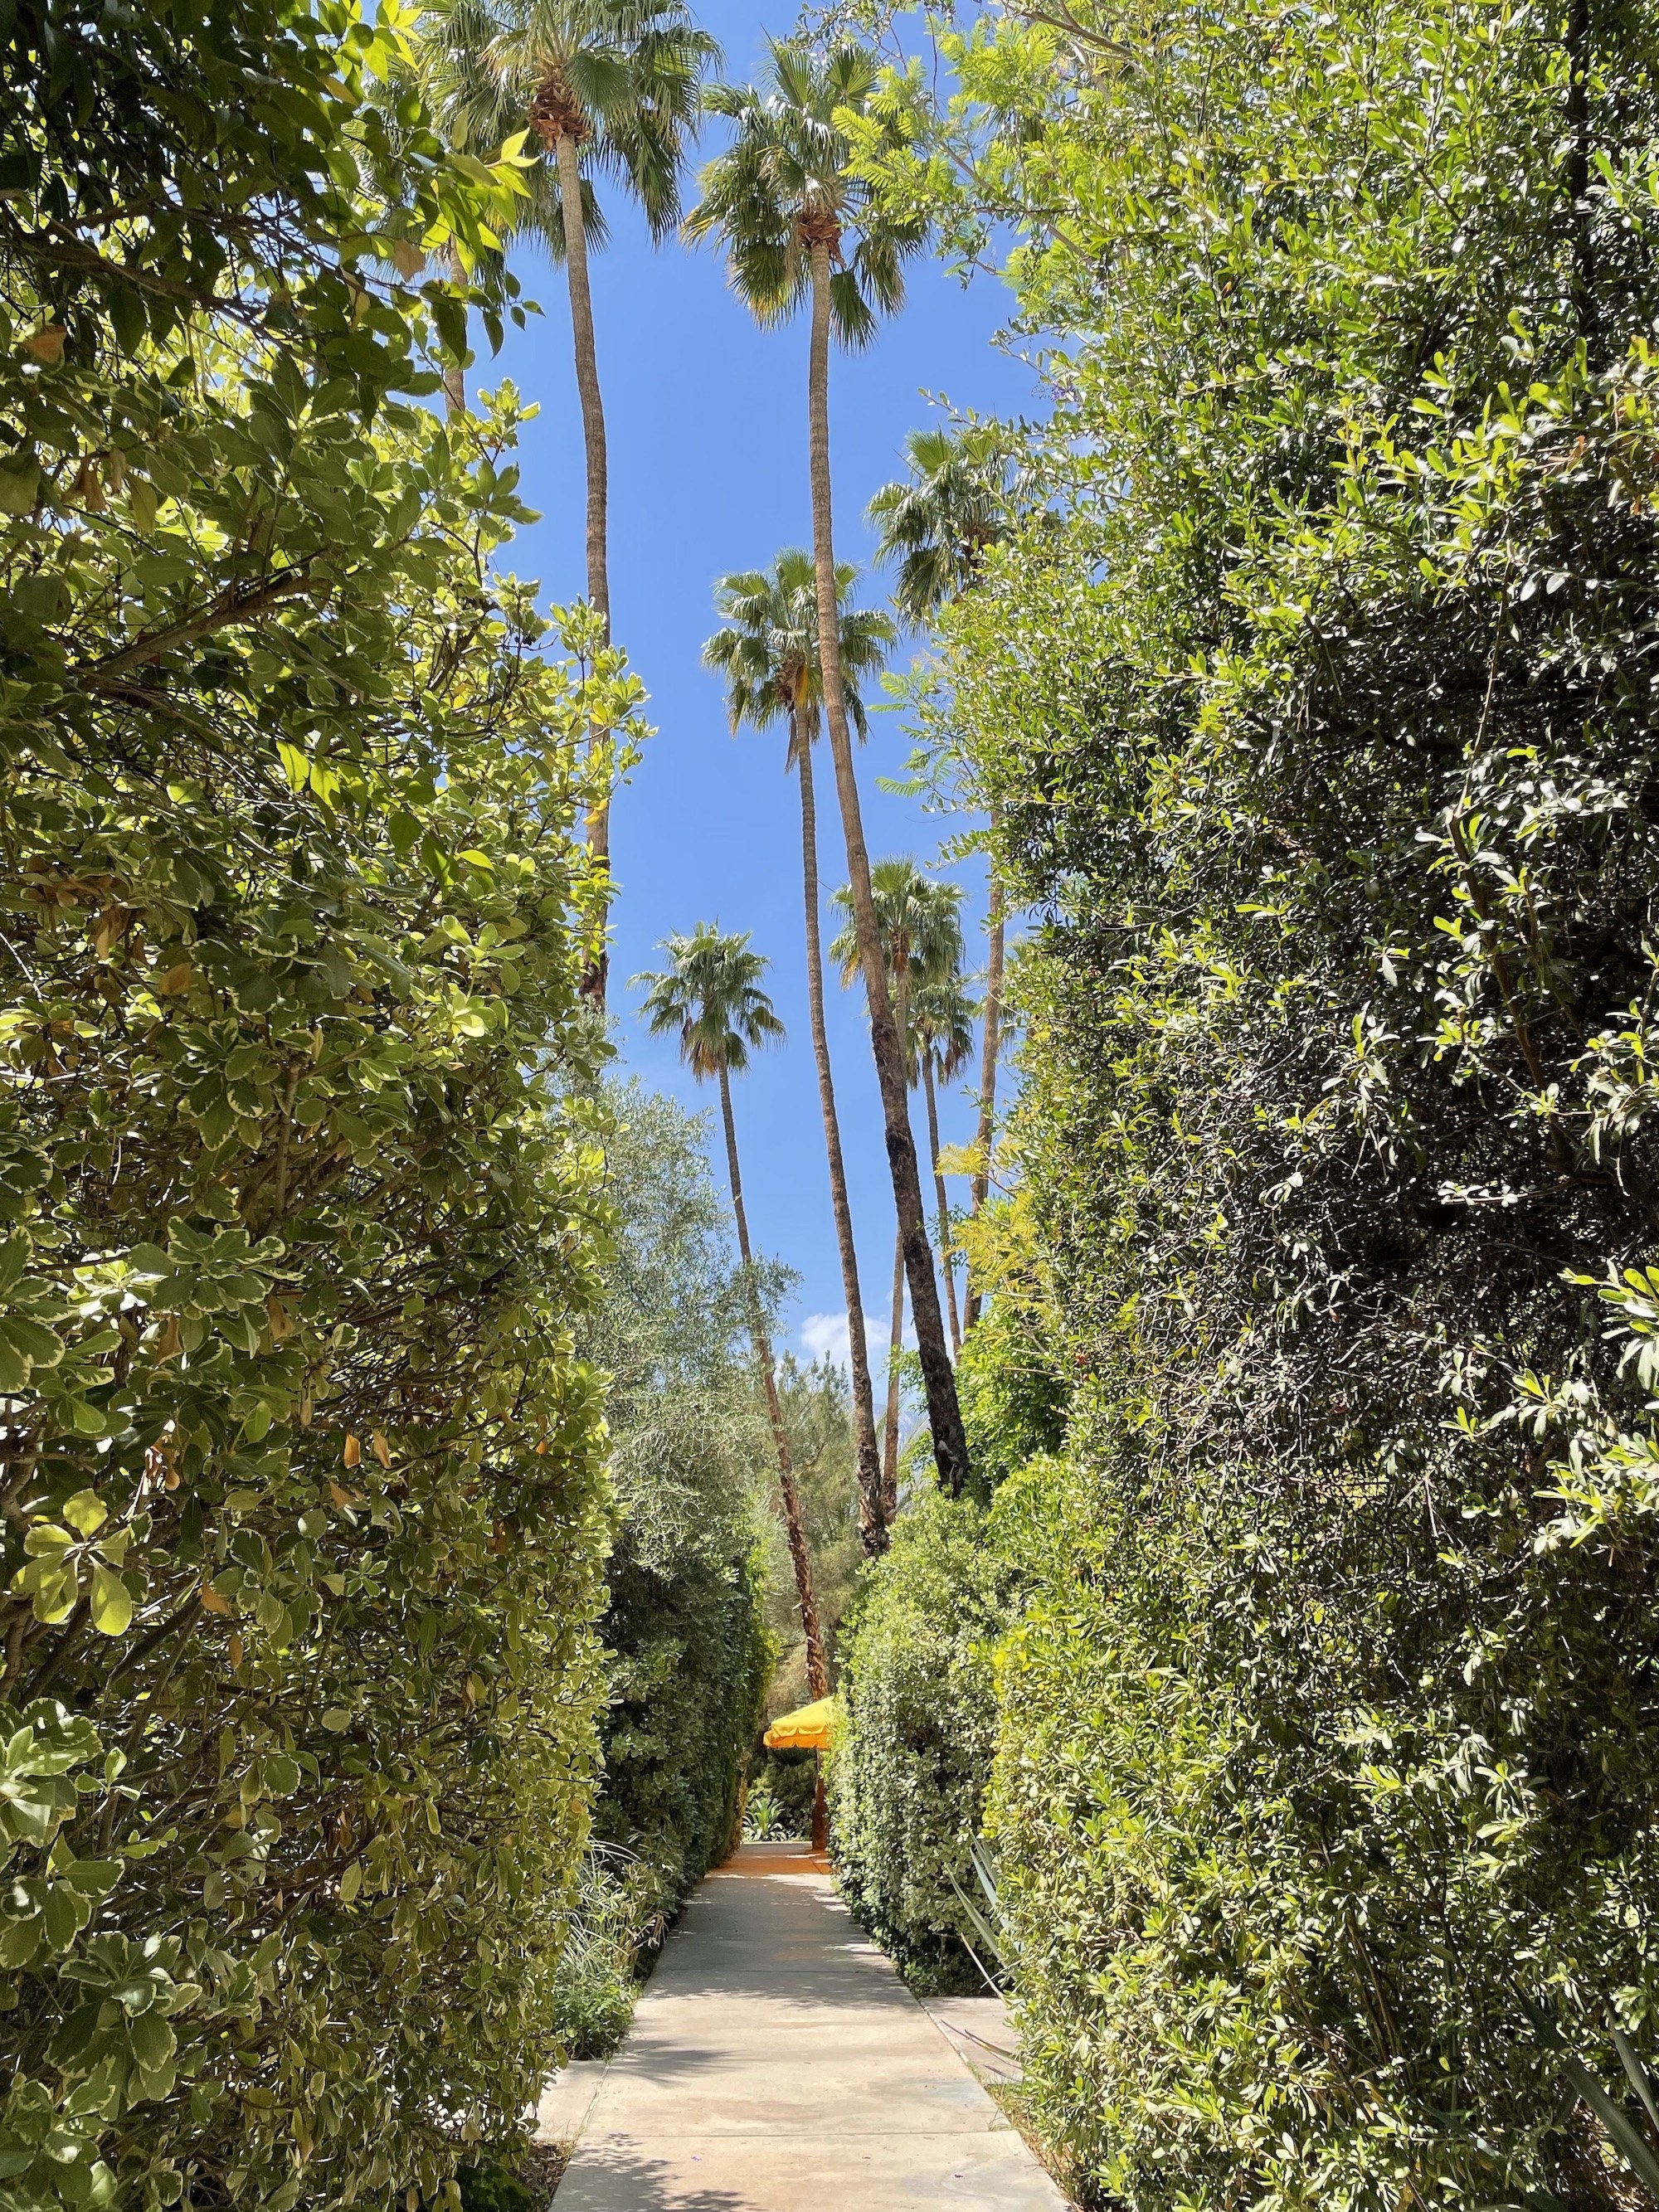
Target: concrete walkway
x,y
777,2063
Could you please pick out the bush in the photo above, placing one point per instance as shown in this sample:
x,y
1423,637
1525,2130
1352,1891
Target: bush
x,y
918,1729
615,1917
688,1665
1014,1398
684,1625
1318,718
299,1204
487,2186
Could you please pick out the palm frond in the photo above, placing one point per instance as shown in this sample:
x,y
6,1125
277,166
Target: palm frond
x,y
769,648
710,997
635,70
787,166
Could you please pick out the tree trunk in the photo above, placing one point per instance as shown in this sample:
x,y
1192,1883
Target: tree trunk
x,y
987,1066
946,1267
872,1525
817,1673
599,575
897,962
938,1379
890,1427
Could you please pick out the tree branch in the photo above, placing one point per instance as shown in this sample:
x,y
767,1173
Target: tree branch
x,y
233,605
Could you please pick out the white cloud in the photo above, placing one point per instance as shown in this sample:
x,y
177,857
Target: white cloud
x,y
826,1336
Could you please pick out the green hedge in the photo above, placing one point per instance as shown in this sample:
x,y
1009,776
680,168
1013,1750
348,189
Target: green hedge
x,y
304,1496
688,1663
1318,719
689,1653
918,1705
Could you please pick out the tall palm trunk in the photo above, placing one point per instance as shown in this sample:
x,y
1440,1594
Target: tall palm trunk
x,y
817,1675
872,1526
987,1066
938,1379
946,1267
890,1432
898,954
568,157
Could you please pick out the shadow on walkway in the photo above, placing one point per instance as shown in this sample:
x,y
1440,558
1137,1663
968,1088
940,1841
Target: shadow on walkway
x,y
777,2063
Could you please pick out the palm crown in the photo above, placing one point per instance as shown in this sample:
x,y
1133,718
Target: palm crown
x,y
938,522
768,649
941,1026
623,77
782,184
710,994
921,923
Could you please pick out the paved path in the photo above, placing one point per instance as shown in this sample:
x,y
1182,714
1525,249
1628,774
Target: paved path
x,y
777,2063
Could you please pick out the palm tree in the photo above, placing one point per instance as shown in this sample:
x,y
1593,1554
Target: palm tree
x,y
768,652
783,202
937,525
941,1045
710,996
920,945
611,88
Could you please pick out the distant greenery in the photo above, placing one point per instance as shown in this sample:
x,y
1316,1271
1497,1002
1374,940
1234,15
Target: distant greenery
x,y
689,1652
782,1789
817,1407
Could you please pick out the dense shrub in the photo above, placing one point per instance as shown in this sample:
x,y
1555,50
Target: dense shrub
x,y
783,1787
303,1500
689,1653
918,1728
688,1666
1014,1399
1319,720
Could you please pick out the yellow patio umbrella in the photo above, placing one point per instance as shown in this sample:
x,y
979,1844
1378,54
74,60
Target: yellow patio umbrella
x,y
809,1728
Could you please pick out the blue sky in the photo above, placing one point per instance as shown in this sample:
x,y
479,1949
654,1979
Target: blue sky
x,y
707,421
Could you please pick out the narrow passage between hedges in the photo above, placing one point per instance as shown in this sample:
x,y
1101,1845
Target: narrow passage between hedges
x,y
777,2063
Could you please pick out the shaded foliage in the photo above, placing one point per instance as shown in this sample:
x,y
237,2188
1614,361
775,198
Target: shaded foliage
x,y
1322,737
